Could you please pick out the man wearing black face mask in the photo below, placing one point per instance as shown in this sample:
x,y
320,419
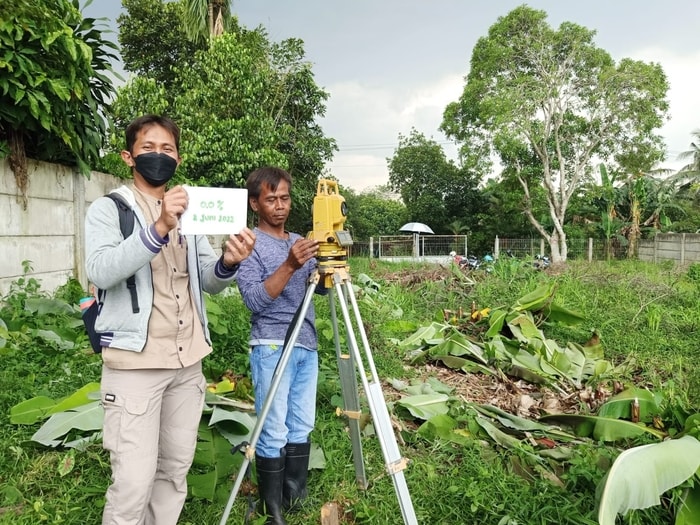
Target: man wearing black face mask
x,y
152,385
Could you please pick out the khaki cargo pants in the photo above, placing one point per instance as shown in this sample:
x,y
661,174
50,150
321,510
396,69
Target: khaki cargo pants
x,y
150,430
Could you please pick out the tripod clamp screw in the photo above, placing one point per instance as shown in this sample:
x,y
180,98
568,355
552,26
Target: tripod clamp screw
x,y
350,414
397,466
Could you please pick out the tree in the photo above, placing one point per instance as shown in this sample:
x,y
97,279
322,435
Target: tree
x,y
434,190
688,176
205,19
548,102
53,88
152,43
693,155
241,102
371,213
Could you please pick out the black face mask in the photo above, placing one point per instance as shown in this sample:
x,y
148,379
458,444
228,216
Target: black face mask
x,y
156,168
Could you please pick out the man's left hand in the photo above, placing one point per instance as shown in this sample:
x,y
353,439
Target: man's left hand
x,y
238,247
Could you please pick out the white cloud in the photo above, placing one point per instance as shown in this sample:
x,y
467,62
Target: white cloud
x,y
373,117
680,69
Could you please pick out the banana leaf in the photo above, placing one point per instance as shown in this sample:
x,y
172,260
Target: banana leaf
x,y
641,474
524,329
32,410
425,406
558,314
85,417
496,321
536,299
430,335
457,344
602,428
620,405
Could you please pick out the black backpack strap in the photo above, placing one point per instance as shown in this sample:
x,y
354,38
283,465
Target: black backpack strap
x,y
126,224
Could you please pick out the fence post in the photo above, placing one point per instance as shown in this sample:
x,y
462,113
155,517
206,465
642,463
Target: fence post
x,y
590,249
496,248
542,247
682,248
656,248
78,231
371,247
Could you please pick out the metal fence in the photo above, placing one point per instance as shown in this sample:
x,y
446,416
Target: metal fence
x,y
428,247
407,247
682,248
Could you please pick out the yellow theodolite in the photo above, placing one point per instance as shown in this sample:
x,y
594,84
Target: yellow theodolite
x,y
329,214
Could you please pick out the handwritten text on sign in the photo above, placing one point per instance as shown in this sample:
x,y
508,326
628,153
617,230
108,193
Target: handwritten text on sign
x,y
214,211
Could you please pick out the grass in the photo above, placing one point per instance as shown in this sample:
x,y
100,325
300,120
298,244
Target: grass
x,y
643,313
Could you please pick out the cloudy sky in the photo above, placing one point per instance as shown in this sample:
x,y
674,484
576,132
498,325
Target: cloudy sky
x,y
393,65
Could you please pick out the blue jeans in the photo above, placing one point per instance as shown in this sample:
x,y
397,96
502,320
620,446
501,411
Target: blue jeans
x,y
293,411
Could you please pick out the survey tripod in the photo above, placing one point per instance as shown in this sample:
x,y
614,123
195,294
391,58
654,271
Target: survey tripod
x,y
335,276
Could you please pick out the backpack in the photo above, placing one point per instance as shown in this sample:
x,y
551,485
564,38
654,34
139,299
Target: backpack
x,y
91,306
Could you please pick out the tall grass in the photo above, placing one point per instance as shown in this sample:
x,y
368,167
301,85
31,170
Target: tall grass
x,y
643,313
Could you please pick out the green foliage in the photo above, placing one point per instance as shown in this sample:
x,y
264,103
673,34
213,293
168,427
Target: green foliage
x,y
371,214
53,83
200,17
233,83
229,327
433,189
152,43
694,272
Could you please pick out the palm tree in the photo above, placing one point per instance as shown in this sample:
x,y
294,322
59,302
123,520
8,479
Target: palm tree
x,y
693,154
205,19
688,176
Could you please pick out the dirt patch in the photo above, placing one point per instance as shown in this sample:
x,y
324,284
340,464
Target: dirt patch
x,y
517,396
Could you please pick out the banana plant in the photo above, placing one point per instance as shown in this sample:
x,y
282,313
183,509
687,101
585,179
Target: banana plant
x,y
515,344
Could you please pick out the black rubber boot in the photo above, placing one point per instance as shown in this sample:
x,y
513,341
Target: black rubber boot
x,y
270,472
296,471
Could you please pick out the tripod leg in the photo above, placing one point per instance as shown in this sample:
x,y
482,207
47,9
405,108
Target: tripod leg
x,y
274,386
351,397
395,464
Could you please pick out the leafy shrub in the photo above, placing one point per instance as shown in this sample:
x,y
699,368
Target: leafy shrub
x,y
694,272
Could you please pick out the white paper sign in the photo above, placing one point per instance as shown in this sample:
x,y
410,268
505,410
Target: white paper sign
x,y
214,211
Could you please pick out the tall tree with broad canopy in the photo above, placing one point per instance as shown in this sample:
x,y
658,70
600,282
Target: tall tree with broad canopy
x,y
551,105
435,191
242,102
152,41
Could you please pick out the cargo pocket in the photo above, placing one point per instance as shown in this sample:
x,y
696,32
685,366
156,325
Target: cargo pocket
x,y
124,425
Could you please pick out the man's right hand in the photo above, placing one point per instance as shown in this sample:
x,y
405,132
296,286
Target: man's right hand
x,y
174,205
301,252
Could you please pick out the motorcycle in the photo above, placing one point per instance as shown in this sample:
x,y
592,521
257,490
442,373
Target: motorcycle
x,y
471,262
541,262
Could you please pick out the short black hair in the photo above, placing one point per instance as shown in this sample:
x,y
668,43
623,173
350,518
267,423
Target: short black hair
x,y
269,176
145,121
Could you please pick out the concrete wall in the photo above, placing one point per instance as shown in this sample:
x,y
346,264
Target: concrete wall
x,y
683,248
48,234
